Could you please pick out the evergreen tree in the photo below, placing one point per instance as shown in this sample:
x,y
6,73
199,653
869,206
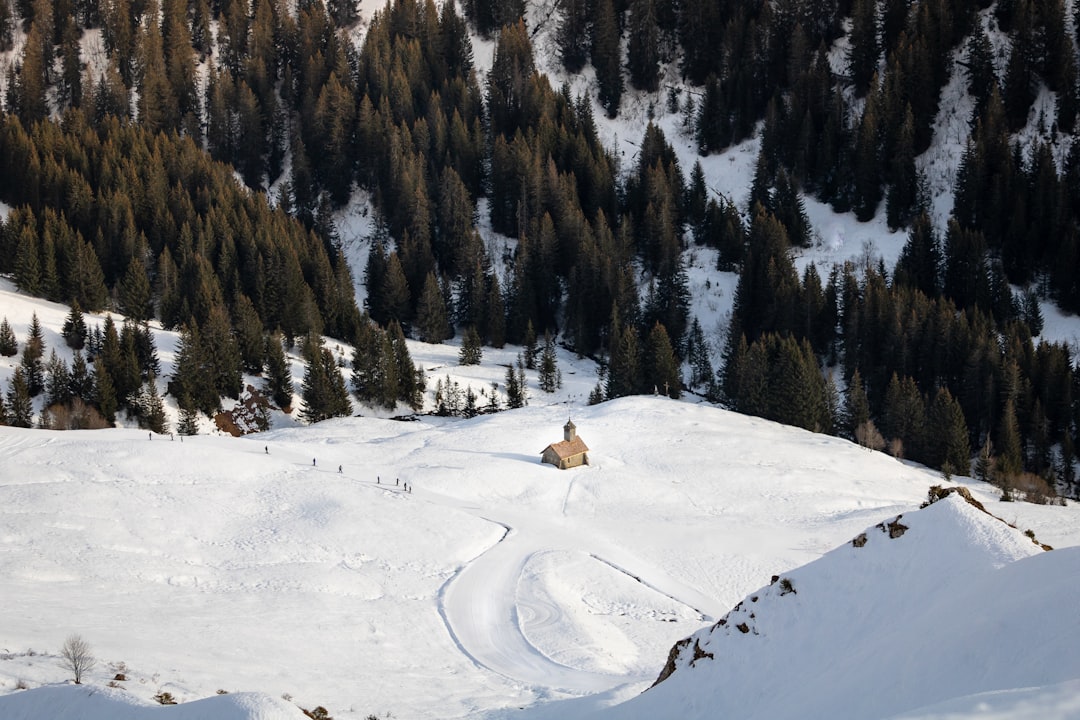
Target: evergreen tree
x,y
410,379
80,380
1010,458
549,376
947,434
624,372
74,330
607,56
20,405
701,370
151,409
188,422
248,333
58,384
278,378
572,35
643,46
323,387
471,352
221,355
32,360
857,406
531,349
104,392
9,346
367,349
134,292
919,265
515,385
431,315
905,417
864,51
659,368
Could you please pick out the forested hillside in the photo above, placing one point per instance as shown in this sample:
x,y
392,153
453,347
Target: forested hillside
x,y
137,183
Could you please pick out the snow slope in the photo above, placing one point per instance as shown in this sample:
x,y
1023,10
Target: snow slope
x,y
84,702
958,604
498,583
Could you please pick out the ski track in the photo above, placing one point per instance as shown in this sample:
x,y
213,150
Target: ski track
x,y
484,606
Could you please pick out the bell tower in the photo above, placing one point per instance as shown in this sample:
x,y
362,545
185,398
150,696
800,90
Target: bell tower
x,y
569,431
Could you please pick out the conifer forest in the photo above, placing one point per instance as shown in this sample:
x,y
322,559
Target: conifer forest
x,y
192,178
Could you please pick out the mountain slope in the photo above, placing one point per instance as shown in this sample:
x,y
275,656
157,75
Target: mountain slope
x,y
942,603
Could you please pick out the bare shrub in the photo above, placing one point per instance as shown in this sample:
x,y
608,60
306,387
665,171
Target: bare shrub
x,y
76,415
76,657
868,436
896,448
21,684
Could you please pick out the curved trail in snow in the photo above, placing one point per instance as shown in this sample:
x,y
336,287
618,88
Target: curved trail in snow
x,y
482,610
485,608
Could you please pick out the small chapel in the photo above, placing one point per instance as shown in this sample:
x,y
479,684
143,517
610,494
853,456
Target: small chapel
x,y
570,452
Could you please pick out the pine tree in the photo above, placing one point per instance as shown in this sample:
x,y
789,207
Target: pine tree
x,y
947,434
549,378
58,384
221,354
32,360
134,291
660,368
624,373
410,379
607,56
515,385
431,315
74,329
857,406
278,382
104,392
9,346
701,370
188,422
572,35
151,409
919,265
323,386
471,352
643,46
80,380
531,349
1010,459
248,333
864,50
20,406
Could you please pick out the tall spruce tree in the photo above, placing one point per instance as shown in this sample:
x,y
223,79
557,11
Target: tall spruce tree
x,y
549,377
323,388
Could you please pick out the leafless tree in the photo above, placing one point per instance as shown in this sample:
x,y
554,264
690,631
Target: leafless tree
x,y
76,657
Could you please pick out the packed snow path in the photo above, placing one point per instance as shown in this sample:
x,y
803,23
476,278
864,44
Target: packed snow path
x,y
488,610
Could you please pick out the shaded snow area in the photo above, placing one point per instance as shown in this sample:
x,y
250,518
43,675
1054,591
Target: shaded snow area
x,y
946,608
502,588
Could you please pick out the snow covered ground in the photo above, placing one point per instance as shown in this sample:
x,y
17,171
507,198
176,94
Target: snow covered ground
x,y
498,583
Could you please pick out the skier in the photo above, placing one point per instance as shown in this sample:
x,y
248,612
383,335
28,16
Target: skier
x,y
339,469
312,462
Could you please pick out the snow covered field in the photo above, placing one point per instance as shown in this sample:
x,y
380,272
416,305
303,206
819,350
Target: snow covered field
x,y
496,584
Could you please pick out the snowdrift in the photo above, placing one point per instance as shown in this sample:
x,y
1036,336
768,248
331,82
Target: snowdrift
x,y
943,603
89,702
